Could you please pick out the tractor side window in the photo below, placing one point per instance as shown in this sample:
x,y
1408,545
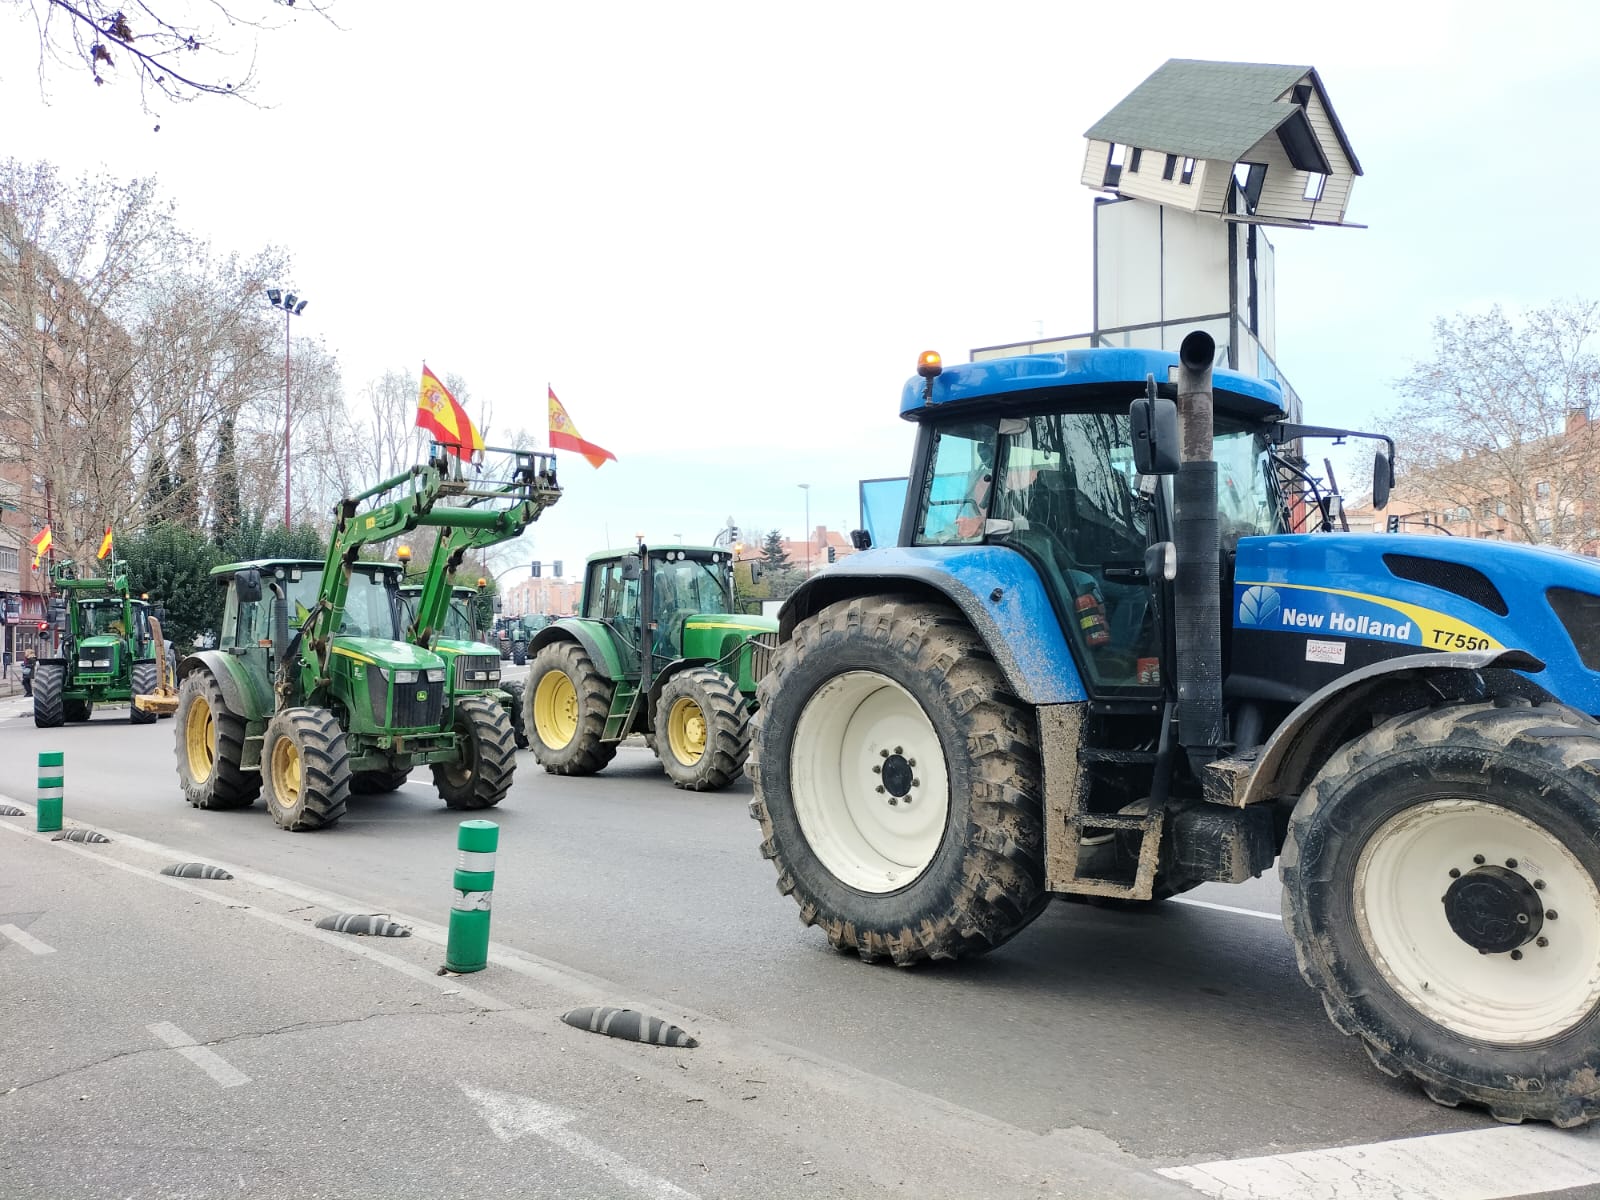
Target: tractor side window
x,y
1247,500
956,491
1068,487
619,599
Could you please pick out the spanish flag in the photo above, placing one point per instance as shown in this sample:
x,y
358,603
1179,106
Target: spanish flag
x,y
440,414
41,545
564,435
105,544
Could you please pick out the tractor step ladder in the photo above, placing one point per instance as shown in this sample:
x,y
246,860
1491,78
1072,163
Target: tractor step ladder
x,y
1084,831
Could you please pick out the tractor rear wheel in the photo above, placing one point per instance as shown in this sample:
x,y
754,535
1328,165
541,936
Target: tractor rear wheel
x,y
305,769
210,746
897,783
378,783
567,703
48,681
519,726
702,730
145,679
1441,881
481,777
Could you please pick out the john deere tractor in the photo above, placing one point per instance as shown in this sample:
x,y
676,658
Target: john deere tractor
x,y
107,654
314,691
1124,647
658,651
474,665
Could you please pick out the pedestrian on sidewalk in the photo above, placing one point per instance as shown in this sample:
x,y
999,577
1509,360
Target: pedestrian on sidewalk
x,y
27,673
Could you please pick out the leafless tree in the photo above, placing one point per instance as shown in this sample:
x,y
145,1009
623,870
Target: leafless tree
x,y
176,50
1501,422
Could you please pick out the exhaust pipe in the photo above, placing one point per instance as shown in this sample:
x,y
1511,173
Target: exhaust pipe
x,y
1197,590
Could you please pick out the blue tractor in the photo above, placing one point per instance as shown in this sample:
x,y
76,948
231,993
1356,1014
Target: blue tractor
x,y
1122,648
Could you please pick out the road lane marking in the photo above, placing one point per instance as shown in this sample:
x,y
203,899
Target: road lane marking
x,y
1480,1164
511,1117
26,940
1275,918
211,1063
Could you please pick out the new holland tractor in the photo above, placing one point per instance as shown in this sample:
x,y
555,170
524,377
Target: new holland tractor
x,y
474,665
314,692
1101,661
657,651
107,652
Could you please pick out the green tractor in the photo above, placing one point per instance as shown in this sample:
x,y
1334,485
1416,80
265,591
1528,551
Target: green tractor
x,y
657,651
474,664
333,699
107,652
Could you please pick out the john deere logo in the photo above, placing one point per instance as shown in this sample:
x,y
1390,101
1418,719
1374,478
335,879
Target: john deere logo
x,y
1258,605
423,694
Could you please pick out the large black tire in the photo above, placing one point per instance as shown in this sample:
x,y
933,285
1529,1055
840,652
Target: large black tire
x,y
955,875
519,724
210,746
566,720
519,652
482,776
1427,807
305,769
377,783
145,680
77,710
702,732
48,681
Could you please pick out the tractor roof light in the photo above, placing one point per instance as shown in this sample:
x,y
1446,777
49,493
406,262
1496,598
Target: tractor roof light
x,y
404,553
930,366
482,582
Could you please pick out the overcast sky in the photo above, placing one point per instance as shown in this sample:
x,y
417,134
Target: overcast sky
x,y
723,232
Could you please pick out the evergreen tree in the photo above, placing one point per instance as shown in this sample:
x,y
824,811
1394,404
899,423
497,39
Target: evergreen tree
x,y
225,503
158,495
172,565
773,553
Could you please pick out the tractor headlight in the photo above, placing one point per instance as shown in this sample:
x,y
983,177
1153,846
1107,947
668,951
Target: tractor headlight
x,y
102,662
492,676
435,674
405,676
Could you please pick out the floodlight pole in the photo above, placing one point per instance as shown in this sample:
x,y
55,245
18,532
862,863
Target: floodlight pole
x,y
806,488
291,305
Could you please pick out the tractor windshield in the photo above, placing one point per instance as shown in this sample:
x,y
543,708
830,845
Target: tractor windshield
x,y
369,610
100,617
458,622
1248,500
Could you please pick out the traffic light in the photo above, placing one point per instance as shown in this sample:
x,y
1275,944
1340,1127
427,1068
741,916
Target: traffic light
x,y
830,553
44,626
555,568
536,567
1394,524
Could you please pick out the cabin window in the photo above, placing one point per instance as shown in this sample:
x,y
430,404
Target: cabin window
x,y
1188,171
1172,165
1133,163
1302,94
1314,185
1114,160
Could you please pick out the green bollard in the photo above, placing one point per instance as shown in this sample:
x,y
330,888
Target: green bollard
x,y
51,774
467,948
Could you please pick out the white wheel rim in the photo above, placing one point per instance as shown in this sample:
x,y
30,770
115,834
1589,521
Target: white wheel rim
x,y
1401,878
854,723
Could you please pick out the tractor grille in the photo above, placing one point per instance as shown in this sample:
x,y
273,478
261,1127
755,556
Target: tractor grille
x,y
412,713
762,646
481,665
1467,582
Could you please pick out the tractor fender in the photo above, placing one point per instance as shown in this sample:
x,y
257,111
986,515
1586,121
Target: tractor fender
x,y
593,636
995,588
1330,716
244,694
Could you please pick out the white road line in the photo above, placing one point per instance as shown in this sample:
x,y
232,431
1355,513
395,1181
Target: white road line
x,y
211,1063
26,940
1481,1164
511,1116
1228,908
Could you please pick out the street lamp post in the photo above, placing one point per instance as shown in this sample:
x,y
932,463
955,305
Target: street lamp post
x,y
806,488
292,305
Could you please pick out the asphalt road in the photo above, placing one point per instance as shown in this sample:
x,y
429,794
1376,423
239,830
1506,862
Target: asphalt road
x,y
1095,1048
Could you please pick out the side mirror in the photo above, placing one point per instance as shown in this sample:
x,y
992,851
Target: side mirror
x,y
630,566
1382,480
497,604
1154,423
757,570
861,539
247,584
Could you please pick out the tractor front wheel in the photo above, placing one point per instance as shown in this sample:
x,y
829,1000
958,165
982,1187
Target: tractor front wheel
x,y
481,777
702,730
210,746
898,783
305,766
1441,881
567,703
519,725
145,679
49,679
